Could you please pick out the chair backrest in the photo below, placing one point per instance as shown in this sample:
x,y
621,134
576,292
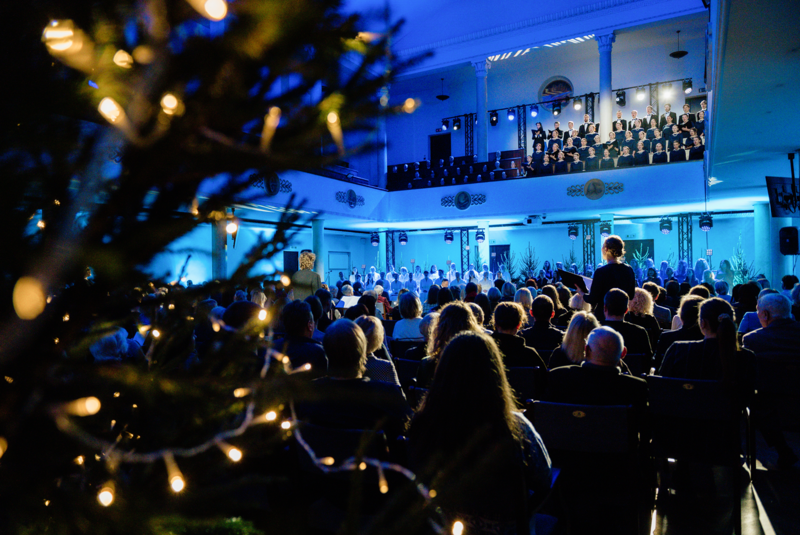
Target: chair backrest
x,y
690,399
406,371
388,326
398,348
524,380
778,377
584,428
379,308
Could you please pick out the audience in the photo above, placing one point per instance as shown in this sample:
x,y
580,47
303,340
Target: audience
x,y
573,346
454,318
635,338
508,318
542,335
640,312
689,313
421,351
375,368
410,310
299,344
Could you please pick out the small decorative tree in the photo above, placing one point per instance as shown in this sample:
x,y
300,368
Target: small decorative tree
x,y
742,270
529,261
511,262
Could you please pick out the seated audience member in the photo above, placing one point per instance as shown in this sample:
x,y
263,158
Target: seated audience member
x,y
298,345
561,165
239,295
326,300
747,300
470,291
316,310
453,318
525,300
115,348
689,313
661,313
721,289
482,300
345,398
562,314
509,290
592,162
573,345
615,306
381,298
542,335
640,312
396,309
469,443
376,369
697,149
421,351
641,156
598,380
677,154
788,282
607,162
408,327
576,165
495,296
718,356
432,300
508,318
477,311
750,321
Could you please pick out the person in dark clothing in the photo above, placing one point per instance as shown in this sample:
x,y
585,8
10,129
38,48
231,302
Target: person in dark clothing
x,y
635,338
690,330
324,297
454,318
298,345
542,336
346,399
615,274
508,318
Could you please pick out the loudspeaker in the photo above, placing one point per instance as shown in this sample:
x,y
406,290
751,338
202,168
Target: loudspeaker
x,y
788,237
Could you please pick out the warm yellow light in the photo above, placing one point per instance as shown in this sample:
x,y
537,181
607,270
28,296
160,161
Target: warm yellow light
x,y
59,36
105,496
285,280
109,109
286,424
66,317
79,460
143,54
235,455
169,103
156,333
362,466
40,224
177,483
231,227
271,416
410,105
123,59
307,367
171,306
215,9
28,298
327,461
432,493
3,446
458,527
262,314
333,117
241,392
84,406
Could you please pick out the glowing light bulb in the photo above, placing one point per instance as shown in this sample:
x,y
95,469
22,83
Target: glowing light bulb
x,y
362,466
28,298
286,424
105,496
169,103
241,392
327,461
285,280
270,416
235,455
109,109
59,36
40,224
156,333
262,314
432,493
383,486
177,483
123,59
410,105
458,527
79,460
333,117
84,406
231,227
66,317
215,9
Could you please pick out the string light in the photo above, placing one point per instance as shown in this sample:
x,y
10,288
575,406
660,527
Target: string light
x,y
286,424
169,103
28,298
271,416
410,105
110,110
271,121
79,460
285,280
333,117
123,59
65,318
262,315
327,461
383,485
431,493
105,496
156,333
234,454
231,227
59,36
40,224
241,392
176,481
458,527
362,466
3,446
83,406
211,9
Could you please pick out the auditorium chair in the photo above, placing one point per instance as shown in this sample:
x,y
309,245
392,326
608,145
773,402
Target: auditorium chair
x,y
406,371
526,382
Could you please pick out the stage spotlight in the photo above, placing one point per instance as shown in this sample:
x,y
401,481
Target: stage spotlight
x,y
706,222
687,86
534,110
665,225
403,238
512,114
666,91
480,235
577,104
448,236
557,108
572,231
605,229
456,124
374,239
640,93
445,124
493,118
621,98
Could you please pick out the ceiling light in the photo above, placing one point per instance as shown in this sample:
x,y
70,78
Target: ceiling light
x,y
621,98
456,124
534,110
557,108
493,118
572,231
678,54
687,86
640,93
403,238
374,239
665,225
605,229
666,90
480,235
706,222
512,114
445,124
448,236
577,104
442,97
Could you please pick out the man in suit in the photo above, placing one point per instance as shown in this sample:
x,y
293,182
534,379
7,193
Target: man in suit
x,y
619,119
688,312
584,128
568,132
632,122
649,115
615,306
667,112
542,336
687,110
779,334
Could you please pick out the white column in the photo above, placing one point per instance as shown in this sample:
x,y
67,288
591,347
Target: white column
x,y
381,266
482,132
219,250
484,247
381,141
604,45
318,246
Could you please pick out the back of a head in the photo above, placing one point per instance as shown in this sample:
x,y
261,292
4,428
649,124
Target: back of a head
x,y
482,300
748,295
307,259
205,307
433,295
606,346
455,291
111,348
550,291
477,311
471,288
498,283
315,305
426,324
369,302
564,296
642,303
258,297
410,306
346,348
796,296
509,290
788,282
574,342
718,317
542,309
240,313
778,305
324,297
689,310
347,290
700,290
524,298
721,287
531,283
295,317
616,302
373,331
673,288
685,287
445,296
494,295
453,318
240,295
615,246
652,289
356,311
508,316
710,287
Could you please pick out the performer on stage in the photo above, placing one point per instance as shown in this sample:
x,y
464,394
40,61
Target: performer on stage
x,y
418,273
451,275
404,275
353,274
434,273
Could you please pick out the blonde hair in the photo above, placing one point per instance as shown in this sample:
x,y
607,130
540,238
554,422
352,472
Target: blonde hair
x,y
258,298
454,318
307,259
574,343
642,303
373,331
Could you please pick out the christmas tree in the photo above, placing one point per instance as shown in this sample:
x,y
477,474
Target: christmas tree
x,y
128,125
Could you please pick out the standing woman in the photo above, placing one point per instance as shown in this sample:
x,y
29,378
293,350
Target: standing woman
x,y
615,274
651,132
592,161
591,137
625,160
612,146
539,135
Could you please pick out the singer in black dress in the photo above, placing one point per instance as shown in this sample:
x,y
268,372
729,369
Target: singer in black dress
x,y
615,274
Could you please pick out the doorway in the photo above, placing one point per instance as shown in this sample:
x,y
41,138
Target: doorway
x,y
496,255
440,148
337,261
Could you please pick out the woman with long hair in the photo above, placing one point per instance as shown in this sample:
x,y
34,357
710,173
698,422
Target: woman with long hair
x,y
433,299
640,312
453,318
574,344
615,274
469,443
562,315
